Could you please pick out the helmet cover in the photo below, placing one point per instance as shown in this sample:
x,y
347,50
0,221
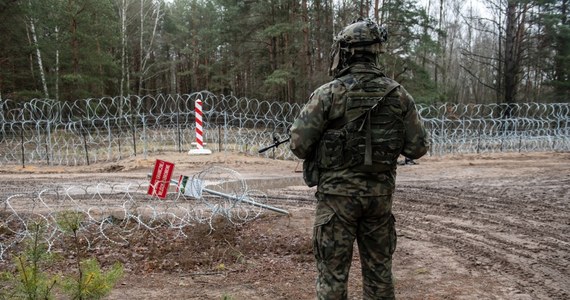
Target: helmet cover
x,y
362,33
362,36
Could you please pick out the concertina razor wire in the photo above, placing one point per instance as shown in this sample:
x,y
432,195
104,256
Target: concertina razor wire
x,y
86,131
47,132
113,211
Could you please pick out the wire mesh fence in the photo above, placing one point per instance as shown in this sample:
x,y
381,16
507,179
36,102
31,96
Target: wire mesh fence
x,y
87,131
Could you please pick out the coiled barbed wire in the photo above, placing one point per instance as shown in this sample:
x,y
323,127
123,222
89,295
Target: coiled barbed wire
x,y
526,127
113,211
43,131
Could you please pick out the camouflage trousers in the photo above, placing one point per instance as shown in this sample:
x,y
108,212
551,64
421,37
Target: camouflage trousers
x,y
339,221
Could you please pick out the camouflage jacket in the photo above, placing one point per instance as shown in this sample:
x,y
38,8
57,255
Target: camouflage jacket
x,y
326,104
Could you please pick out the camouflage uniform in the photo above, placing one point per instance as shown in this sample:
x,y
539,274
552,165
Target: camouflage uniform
x,y
352,203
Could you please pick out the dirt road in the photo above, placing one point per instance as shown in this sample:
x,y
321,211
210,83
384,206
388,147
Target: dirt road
x,y
491,226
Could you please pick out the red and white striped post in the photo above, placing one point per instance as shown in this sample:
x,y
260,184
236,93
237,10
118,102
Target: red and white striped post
x,y
198,110
199,140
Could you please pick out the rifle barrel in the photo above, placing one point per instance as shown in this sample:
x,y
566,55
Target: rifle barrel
x,y
265,149
273,146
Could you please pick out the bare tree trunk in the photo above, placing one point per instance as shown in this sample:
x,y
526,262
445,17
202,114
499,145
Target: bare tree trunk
x,y
173,77
141,50
273,44
561,72
425,32
74,37
384,11
439,42
123,14
515,23
500,77
317,26
307,65
38,55
145,52
376,9
510,63
194,61
57,63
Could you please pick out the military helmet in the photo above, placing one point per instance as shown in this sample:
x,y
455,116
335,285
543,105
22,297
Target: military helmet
x,y
362,37
362,33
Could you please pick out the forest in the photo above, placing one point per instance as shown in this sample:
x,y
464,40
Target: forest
x,y
442,51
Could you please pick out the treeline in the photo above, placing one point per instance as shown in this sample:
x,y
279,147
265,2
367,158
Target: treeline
x,y
440,50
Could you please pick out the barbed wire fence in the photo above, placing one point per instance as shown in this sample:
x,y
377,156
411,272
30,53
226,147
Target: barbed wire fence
x,y
519,127
108,129
88,131
116,212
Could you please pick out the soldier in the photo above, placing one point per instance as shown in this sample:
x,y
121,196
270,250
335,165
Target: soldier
x,y
350,134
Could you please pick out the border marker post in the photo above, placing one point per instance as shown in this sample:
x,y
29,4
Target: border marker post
x,y
199,140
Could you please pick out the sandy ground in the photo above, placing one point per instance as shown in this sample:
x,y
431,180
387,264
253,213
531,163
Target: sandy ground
x,y
480,226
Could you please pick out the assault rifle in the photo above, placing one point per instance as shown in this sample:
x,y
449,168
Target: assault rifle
x,y
276,143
